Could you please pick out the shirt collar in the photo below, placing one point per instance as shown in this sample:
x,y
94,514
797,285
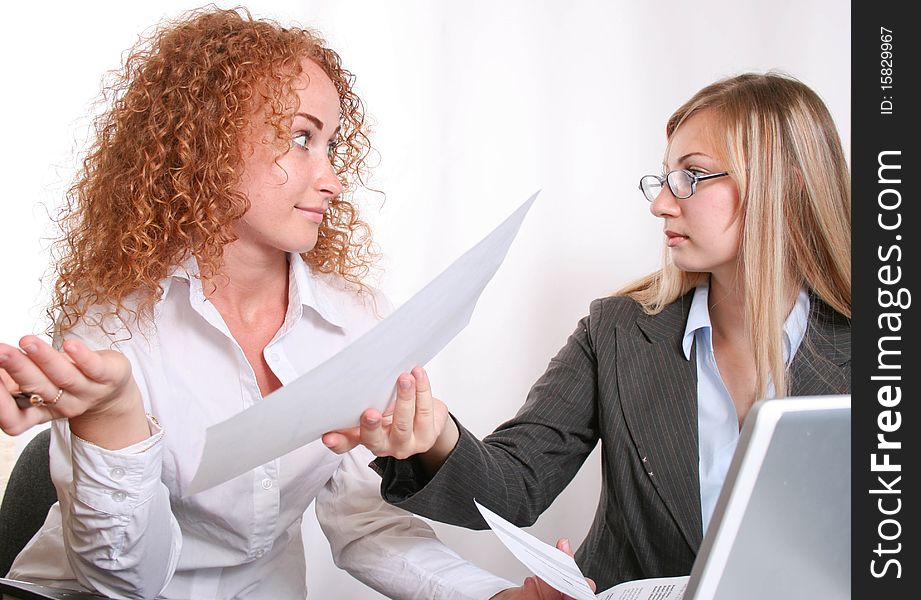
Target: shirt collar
x,y
305,288
794,327
187,270
698,317
308,289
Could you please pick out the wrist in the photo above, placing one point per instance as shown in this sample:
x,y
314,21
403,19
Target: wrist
x,y
116,424
442,448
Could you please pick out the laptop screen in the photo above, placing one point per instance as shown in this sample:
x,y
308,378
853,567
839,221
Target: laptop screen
x,y
782,524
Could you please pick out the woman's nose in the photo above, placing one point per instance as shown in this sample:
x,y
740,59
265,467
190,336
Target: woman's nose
x,y
665,204
328,182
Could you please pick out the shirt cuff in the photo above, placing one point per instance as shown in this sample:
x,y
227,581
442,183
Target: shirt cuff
x,y
116,482
487,588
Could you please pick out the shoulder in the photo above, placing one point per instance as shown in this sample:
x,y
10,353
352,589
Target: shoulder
x,y
616,309
626,314
824,315
106,327
829,331
349,300
606,316
624,309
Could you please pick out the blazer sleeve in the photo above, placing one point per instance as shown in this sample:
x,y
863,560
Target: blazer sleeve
x,y
519,469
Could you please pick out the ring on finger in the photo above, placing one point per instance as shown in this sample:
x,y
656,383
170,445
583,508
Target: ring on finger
x,y
27,399
56,397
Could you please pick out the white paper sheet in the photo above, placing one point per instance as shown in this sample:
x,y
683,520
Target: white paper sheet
x,y
562,573
659,588
550,564
363,375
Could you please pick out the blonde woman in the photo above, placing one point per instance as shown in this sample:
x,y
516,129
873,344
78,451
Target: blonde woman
x,y
210,255
753,301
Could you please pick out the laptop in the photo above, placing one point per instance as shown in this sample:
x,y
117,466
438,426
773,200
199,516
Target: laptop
x,y
781,528
782,524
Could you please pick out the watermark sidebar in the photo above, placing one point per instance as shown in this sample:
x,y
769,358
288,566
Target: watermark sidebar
x,y
885,274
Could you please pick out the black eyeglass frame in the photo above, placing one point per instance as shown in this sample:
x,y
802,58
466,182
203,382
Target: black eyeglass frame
x,y
663,181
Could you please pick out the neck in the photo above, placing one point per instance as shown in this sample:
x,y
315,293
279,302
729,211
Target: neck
x,y
727,309
249,283
726,302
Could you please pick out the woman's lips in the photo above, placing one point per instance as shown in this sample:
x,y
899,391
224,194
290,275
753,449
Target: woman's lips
x,y
313,214
673,239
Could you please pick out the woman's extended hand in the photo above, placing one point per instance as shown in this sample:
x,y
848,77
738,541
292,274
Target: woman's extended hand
x,y
417,423
95,390
535,588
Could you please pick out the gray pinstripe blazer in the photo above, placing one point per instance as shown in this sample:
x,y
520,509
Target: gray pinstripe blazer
x,y
622,378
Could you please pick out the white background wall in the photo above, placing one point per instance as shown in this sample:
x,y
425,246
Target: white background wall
x,y
477,104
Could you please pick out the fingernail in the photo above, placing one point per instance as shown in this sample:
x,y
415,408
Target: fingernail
x,y
372,420
2,358
566,546
30,348
405,384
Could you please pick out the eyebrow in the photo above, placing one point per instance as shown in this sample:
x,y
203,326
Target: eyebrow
x,y
686,157
690,154
316,122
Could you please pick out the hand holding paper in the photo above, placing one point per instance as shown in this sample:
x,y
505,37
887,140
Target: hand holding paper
x,y
414,425
560,571
552,565
334,394
535,588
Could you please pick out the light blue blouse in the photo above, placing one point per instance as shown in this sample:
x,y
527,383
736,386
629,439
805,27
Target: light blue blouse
x,y
717,420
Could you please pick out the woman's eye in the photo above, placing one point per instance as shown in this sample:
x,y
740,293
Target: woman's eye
x,y
302,139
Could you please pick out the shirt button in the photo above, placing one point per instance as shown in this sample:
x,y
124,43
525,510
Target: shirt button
x,y
119,496
117,473
266,484
260,553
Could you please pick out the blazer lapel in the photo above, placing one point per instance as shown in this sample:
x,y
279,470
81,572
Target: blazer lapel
x,y
658,391
823,363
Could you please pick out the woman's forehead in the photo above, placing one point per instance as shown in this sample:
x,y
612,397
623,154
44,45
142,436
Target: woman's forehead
x,y
317,94
692,139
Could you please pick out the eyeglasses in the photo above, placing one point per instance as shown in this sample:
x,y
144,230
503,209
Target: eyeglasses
x,y
681,182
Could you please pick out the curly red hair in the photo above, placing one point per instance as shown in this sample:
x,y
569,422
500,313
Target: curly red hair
x,y
160,180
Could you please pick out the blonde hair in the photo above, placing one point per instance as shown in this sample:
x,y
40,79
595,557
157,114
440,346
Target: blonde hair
x,y
778,141
160,181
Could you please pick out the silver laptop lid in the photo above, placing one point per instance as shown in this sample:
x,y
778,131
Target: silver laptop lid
x,y
782,524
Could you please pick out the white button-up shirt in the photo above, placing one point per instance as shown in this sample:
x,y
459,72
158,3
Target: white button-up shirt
x,y
717,419
126,528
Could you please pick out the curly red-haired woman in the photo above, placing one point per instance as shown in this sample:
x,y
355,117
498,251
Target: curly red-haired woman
x,y
210,254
